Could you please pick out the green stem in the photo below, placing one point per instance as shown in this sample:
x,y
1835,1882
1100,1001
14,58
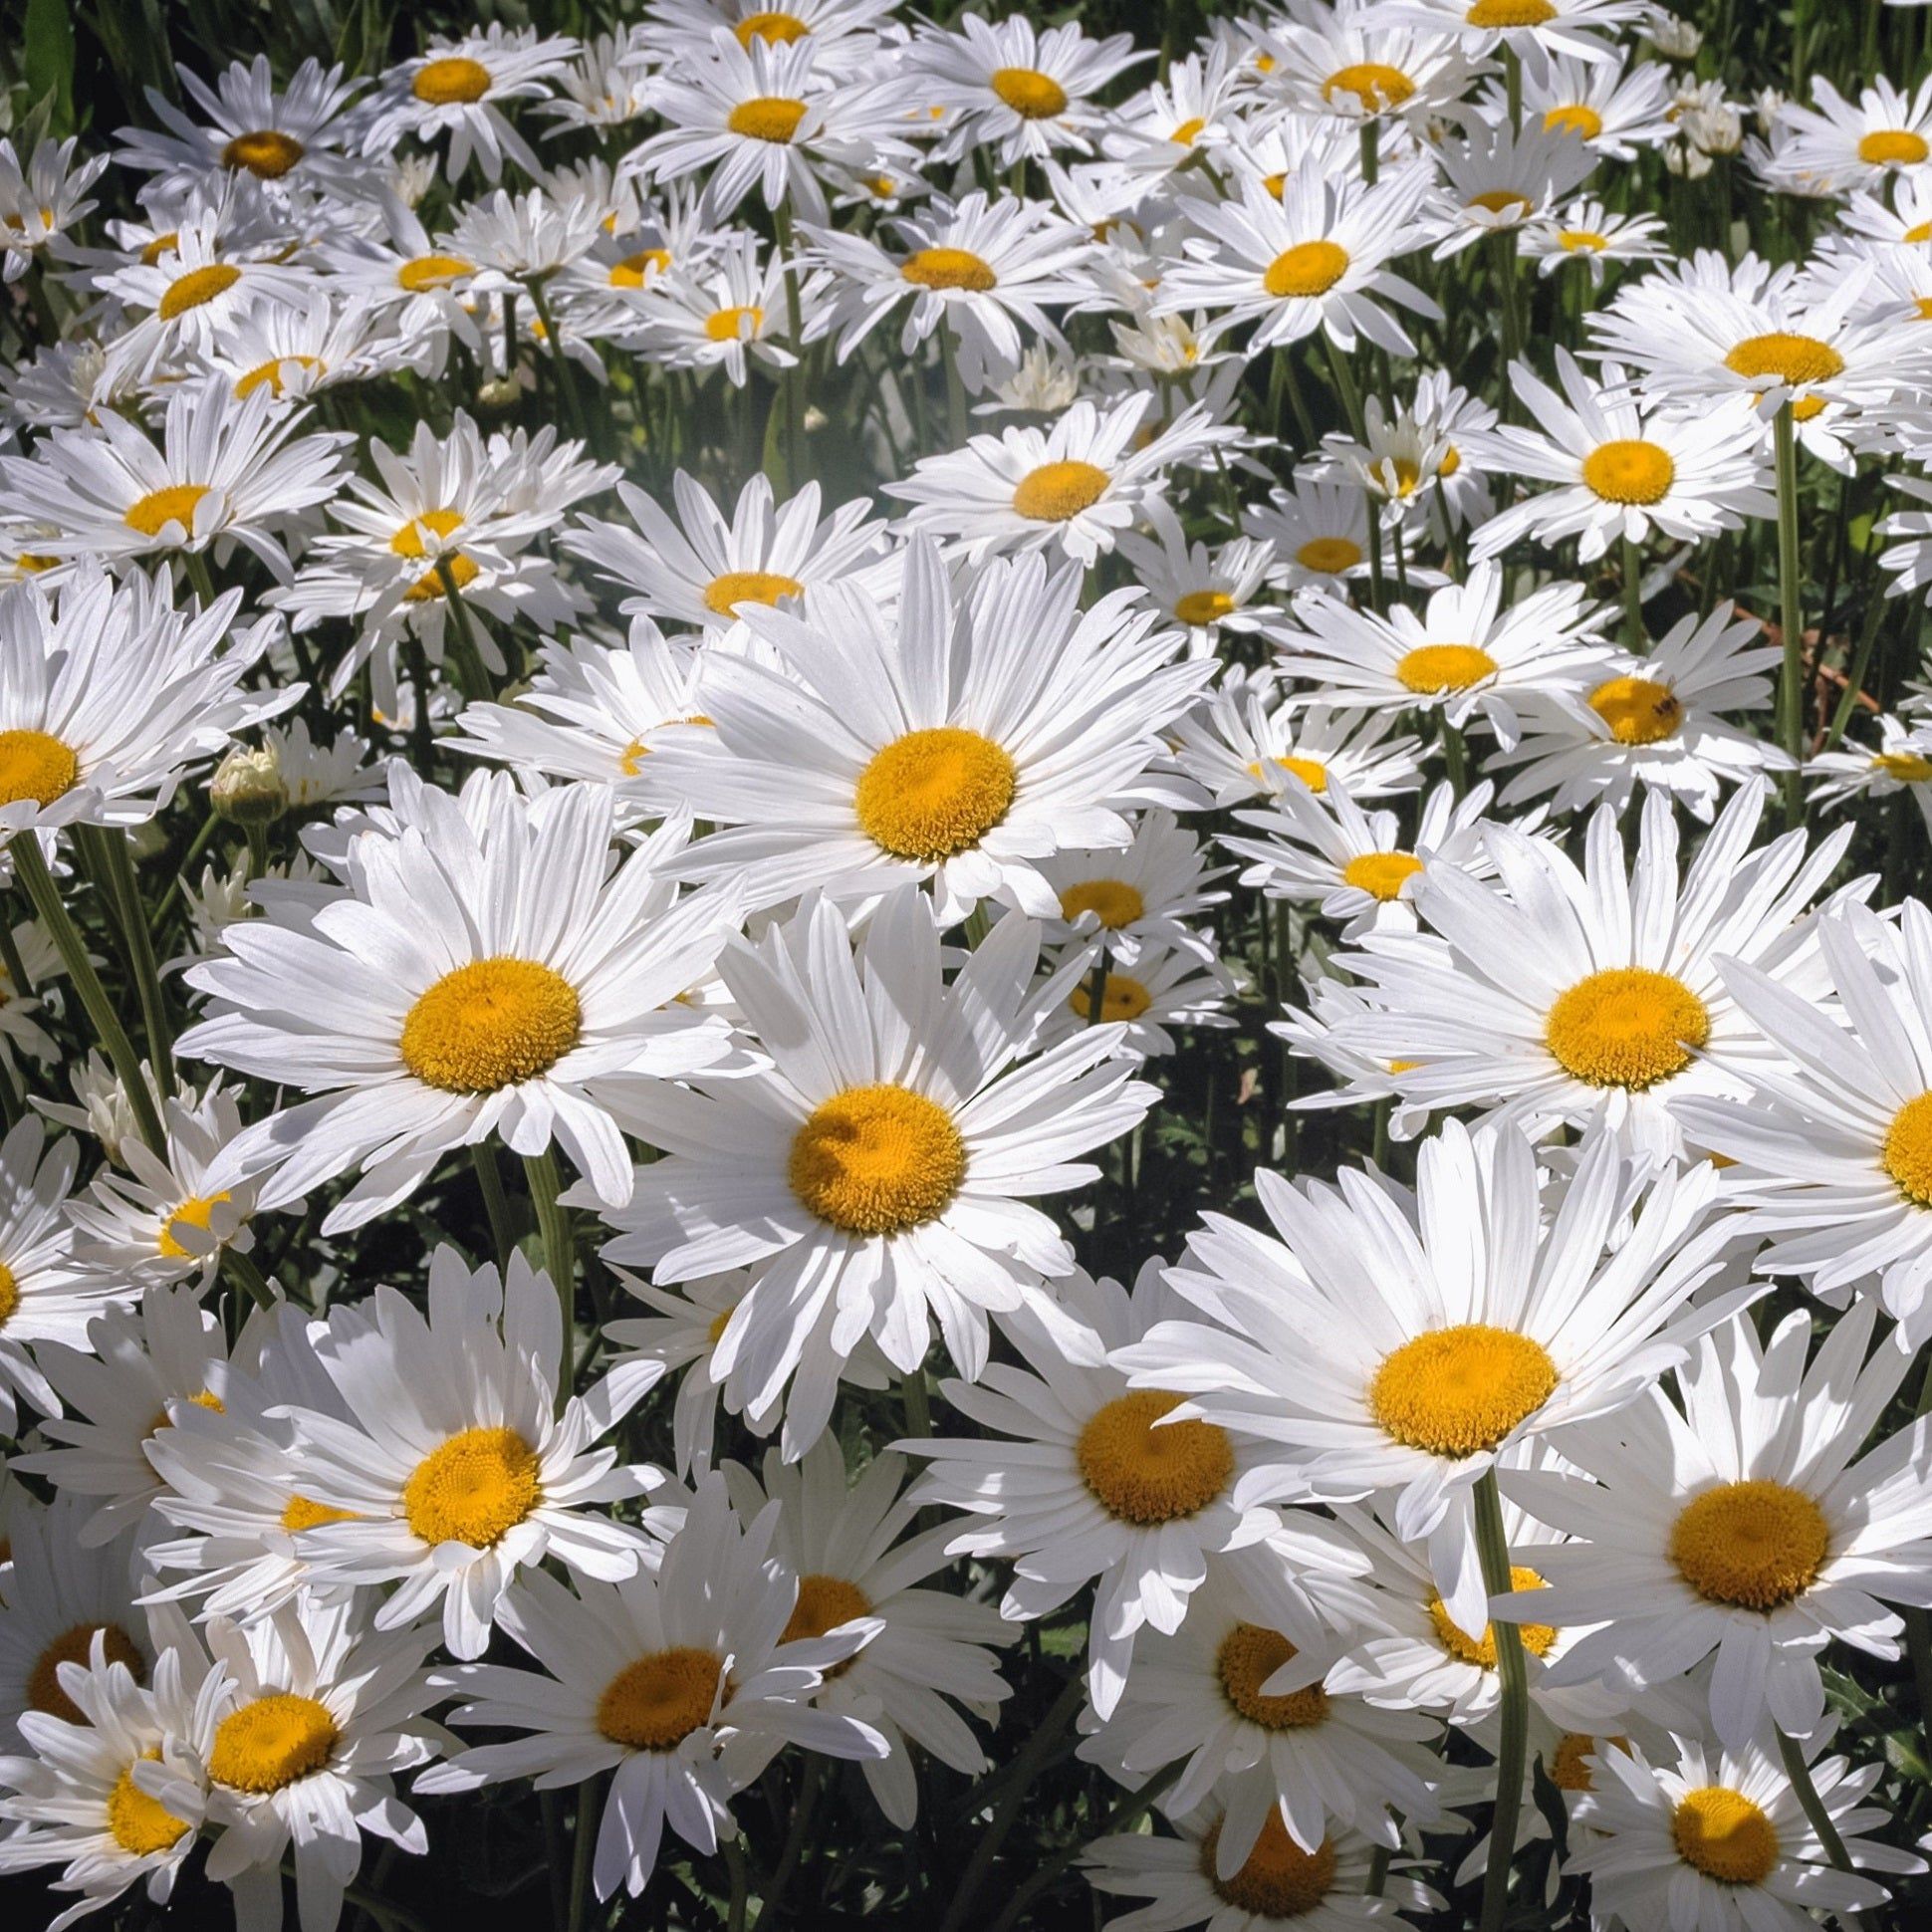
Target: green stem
x,y
1800,1772
247,1277
108,846
918,1402
958,423
1097,992
559,1258
806,1803
1791,712
1492,1544
584,1851
566,375
1634,636
496,1203
197,847
466,657
734,1856
1344,384
30,868
1123,1816
795,333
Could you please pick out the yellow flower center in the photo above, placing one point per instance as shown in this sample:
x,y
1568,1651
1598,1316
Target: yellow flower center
x,y
1248,1655
272,1742
1143,1469
655,1703
1373,83
1630,471
785,27
430,585
1501,201
1381,875
1893,147
173,503
303,1513
1309,268
1638,710
1788,359
1330,555
407,542
934,793
451,82
74,1645
1124,999
1908,767
195,288
269,374
734,325
1113,901
1056,491
1458,1391
876,1159
9,1284
267,152
1277,1881
724,594
1188,131
825,1602
948,268
141,1825
1568,1770
472,1487
491,1024
1581,241
1574,118
1310,771
1510,13
1031,95
35,766
1626,1027
425,272
1755,1543
767,116
1725,1835
634,270
1432,669
1536,1637
1203,607
160,246
196,1211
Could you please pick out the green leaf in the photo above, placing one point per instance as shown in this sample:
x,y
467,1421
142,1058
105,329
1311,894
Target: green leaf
x,y
47,60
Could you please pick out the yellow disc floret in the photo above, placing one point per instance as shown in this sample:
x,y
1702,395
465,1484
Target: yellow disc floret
x,y
37,766
934,793
1246,1657
1112,902
266,152
1031,95
270,1742
1626,1027
1203,607
1124,998
1893,147
1144,1470
1629,470
472,1487
1536,1637
1638,710
172,502
655,1703
1755,1544
489,1025
769,118
1381,875
197,288
1502,14
948,268
303,1513
74,1645
1432,669
452,81
1458,1391
196,1212
725,592
1277,1881
769,26
1574,117
1907,1152
1309,268
1056,491
141,1825
877,1160
1329,556
1373,84
1725,1835
825,1602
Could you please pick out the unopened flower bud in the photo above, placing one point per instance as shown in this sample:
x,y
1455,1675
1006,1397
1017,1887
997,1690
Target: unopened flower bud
x,y
248,788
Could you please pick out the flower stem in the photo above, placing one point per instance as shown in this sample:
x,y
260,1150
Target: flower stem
x,y
1791,717
794,331
465,656
30,867
566,376
958,425
583,1851
1632,598
1819,1820
1492,1546
496,1204
107,848
560,1258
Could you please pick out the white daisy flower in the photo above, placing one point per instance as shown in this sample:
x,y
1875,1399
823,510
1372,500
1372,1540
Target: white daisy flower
x,y
1862,142
41,199
457,1467
1399,1343
844,32
1319,530
1495,179
1615,108
885,1160
1210,591
1587,231
1165,987
475,969
460,88
1248,742
21,1037
1348,62
681,1682
1533,29
1900,766
297,350
1140,897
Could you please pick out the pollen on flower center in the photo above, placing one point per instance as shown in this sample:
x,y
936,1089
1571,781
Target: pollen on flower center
x,y
1203,607
1510,13
1790,358
655,1703
491,1024
472,1487
825,1602
425,272
725,592
1755,1544
1330,555
1143,1469
734,325
196,1212
1381,875
1574,118
454,81
197,288
1893,147
1725,1835
1575,241
1630,471
1568,1770
407,542
1458,1391
948,268
1309,268
270,1742
1056,491
1310,771
1626,1027
1536,1637
1432,669
269,374
773,117
173,503
35,766
74,1645
1278,1879
634,270
266,152
877,1160
1501,201
1907,1152
9,1293
1638,710
785,27
1112,902
1908,767
141,1825
1124,998
934,793
303,1513
1373,83
1031,95
1248,1656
